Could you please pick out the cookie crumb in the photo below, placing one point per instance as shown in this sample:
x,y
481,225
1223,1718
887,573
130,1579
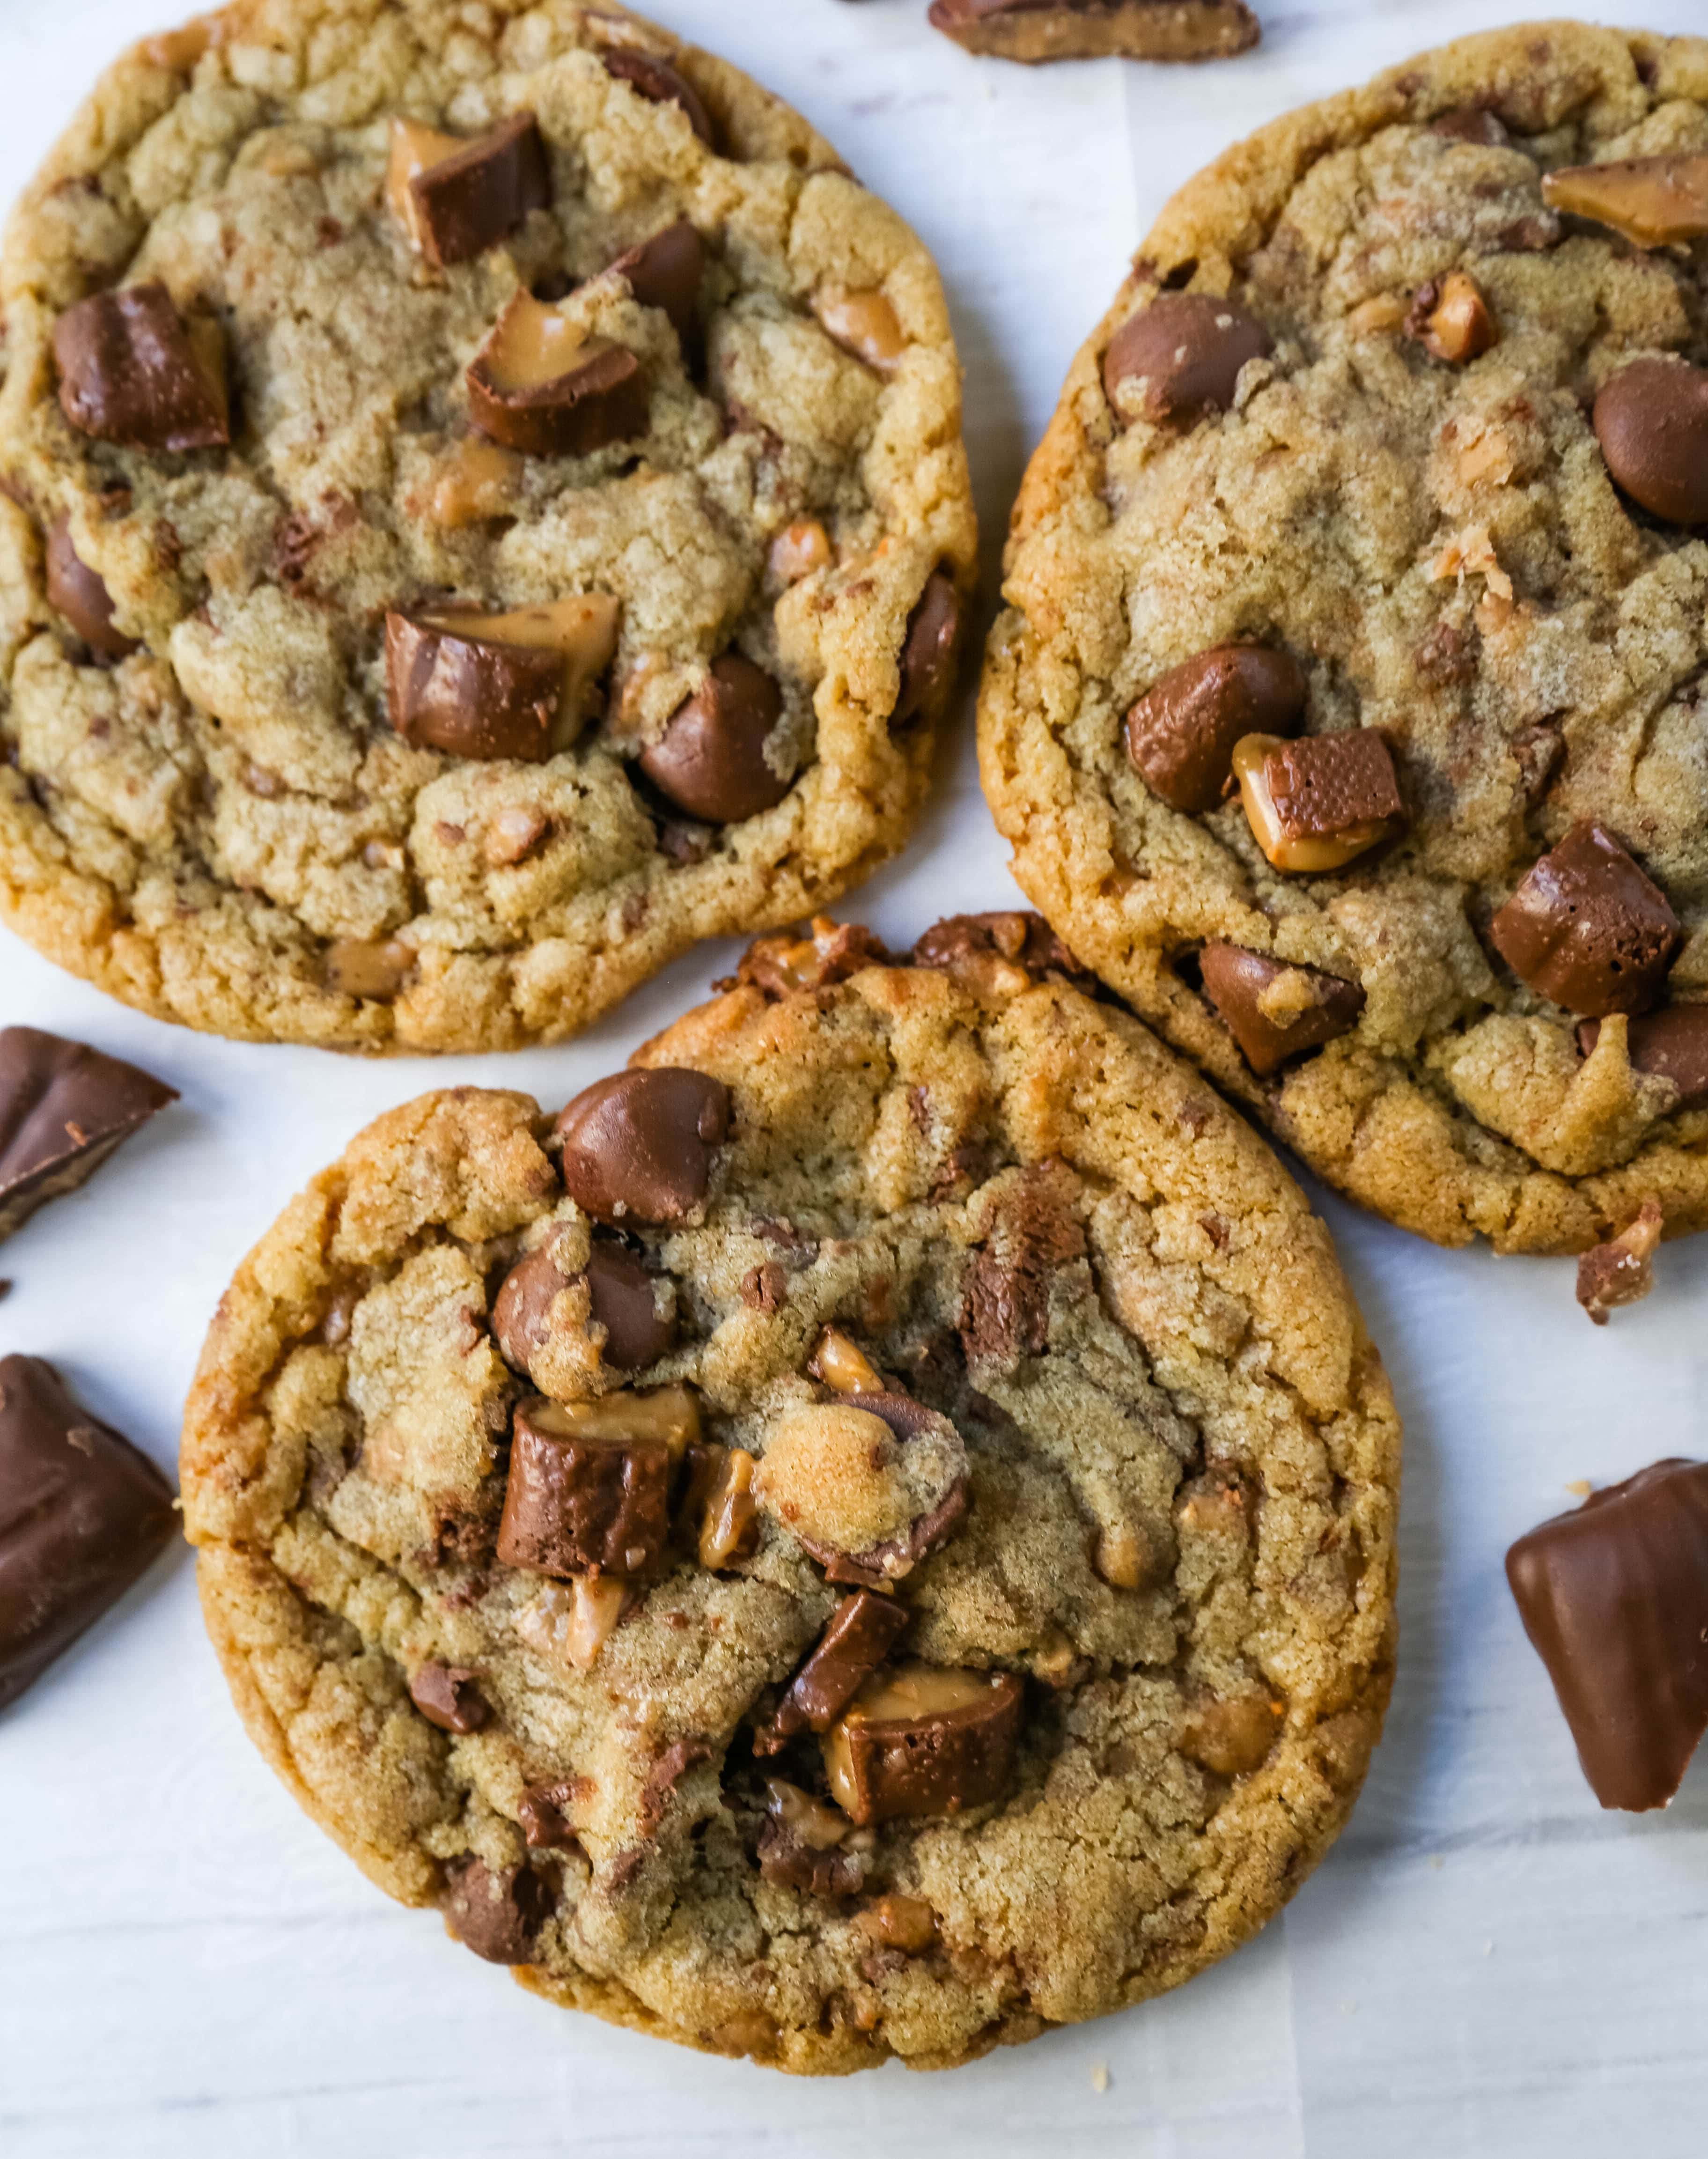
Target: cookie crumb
x,y
1099,2076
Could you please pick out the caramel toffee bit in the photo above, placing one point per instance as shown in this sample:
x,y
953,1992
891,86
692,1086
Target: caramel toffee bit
x,y
1273,1010
1182,733
1039,30
1588,929
1318,804
455,199
711,760
1621,1270
497,1913
638,1148
64,1108
1451,320
1671,1044
1614,1598
1654,202
450,1697
132,371
921,1740
1179,359
1651,420
829,954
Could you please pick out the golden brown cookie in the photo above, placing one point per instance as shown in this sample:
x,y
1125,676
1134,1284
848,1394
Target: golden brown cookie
x,y
1346,713
870,1533
483,508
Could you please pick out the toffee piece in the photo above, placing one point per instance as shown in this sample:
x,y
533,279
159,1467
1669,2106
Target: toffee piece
x,y
1039,30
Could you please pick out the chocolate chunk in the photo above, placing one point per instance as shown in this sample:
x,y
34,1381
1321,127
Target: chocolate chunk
x,y
666,1772
1621,1270
82,1516
1587,928
1651,420
544,1814
865,1629
1180,358
64,1108
711,760
765,1288
1654,202
1318,804
541,385
929,653
1034,1232
637,1147
1276,1009
457,199
659,83
666,272
132,371
1614,1598
589,1487
512,685
1039,30
1670,1044
830,954
82,597
1021,938
450,1697
788,1859
620,1295
1180,733
497,1915
1472,123
920,1740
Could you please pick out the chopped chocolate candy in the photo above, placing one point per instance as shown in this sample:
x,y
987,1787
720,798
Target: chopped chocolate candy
x,y
1318,804
921,1739
1670,1044
1034,1231
1621,1270
1180,358
622,1298
1022,939
659,83
1276,1009
544,1814
929,653
1587,928
541,385
865,1629
765,1288
1653,202
637,1147
497,1915
589,1483
1450,320
787,1860
711,760
512,685
1182,733
132,371
82,1516
1039,30
1651,420
450,1697
64,1108
455,198
667,273
81,596
829,954
1614,1598
1473,123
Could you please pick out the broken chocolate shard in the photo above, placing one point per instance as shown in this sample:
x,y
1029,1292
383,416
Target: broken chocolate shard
x,y
456,199
1587,928
450,1697
660,84
1276,1009
133,372
921,1740
497,1915
64,1108
589,1487
1181,735
1034,1233
637,1147
928,652
1621,1270
865,1629
667,273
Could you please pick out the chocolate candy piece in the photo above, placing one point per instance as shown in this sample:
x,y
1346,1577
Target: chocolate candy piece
x,y
711,760
1038,30
497,1915
864,1631
1651,201
666,272
928,656
659,83
545,1815
798,1846
540,384
82,597
498,686
454,198
830,952
1670,1044
589,1483
1318,804
1186,350
620,1291
1276,1009
64,1108
637,1147
1587,928
1450,320
1621,1270
964,942
82,1515
448,1696
921,1740
1614,1597
1004,1313
132,371
1182,732
1473,123
1651,420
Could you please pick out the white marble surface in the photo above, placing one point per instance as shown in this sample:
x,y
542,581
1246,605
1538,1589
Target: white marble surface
x,y
1487,1967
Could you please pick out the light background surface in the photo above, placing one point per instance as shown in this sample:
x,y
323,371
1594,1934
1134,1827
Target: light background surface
x,y
1486,1968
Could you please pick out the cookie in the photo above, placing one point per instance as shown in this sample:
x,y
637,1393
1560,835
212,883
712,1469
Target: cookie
x,y
1346,711
1035,30
484,507
870,1533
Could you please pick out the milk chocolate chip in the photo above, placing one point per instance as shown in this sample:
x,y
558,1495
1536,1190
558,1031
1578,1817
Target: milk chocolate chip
x,y
132,371
928,653
1587,928
1614,1598
1318,804
638,1146
1038,30
620,1293
921,1740
450,1697
864,1631
1182,733
456,198
1651,420
511,686
1621,1270
64,1108
1276,1009
711,760
1654,202
589,1483
1473,123
659,83
1668,1044
81,596
497,1915
1180,358
666,272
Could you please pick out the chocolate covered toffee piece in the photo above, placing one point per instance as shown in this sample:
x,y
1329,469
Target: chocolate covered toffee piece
x,y
1036,30
1615,1599
489,516
1346,713
82,1515
870,1532
64,1108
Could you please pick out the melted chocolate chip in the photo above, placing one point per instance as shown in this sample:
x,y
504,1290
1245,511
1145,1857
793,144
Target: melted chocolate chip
x,y
637,1147
1651,420
1180,733
1180,358
928,653
711,760
497,1915
82,597
1276,1009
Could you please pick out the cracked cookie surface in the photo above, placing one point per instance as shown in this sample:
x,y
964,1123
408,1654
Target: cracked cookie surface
x,y
1344,462
956,1599
249,779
